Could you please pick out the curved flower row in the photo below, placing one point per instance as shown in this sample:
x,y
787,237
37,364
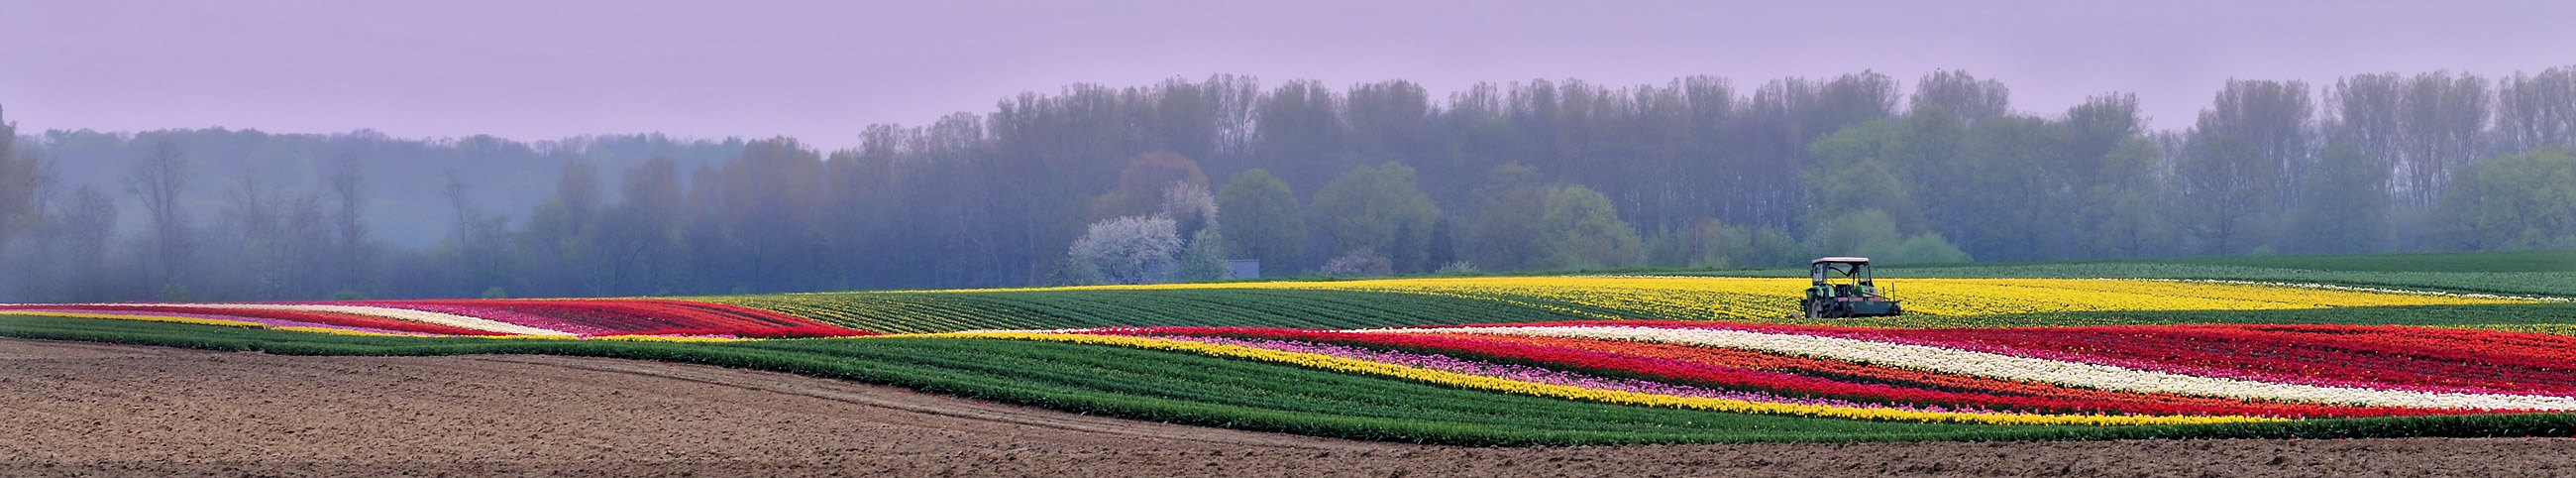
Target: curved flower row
x,y
1795,376
1984,364
523,318
2398,357
1519,372
1970,389
1454,379
295,317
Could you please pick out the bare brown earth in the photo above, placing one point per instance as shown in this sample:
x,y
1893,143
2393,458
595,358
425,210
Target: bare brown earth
x,y
110,410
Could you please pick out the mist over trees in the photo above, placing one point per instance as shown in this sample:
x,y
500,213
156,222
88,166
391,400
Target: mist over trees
x,y
1099,184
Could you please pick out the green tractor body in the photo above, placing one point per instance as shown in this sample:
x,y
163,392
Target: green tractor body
x,y
1842,289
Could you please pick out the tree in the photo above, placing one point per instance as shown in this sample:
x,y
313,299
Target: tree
x,y
2442,125
2227,188
1388,120
1301,134
1143,183
1075,272
1129,250
158,179
479,248
2122,211
2537,111
346,186
1443,252
1262,221
2523,201
2240,161
2367,112
1849,173
2014,194
1699,244
1849,234
577,187
272,234
1763,247
1962,95
1925,248
1203,260
1364,261
1505,234
2347,206
635,248
20,176
88,222
1581,230
1372,207
2271,121
769,204
1867,233
1190,206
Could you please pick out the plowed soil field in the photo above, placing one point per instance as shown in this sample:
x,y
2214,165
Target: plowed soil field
x,y
91,409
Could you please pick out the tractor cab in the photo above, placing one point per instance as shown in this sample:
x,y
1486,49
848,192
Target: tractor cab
x,y
1842,288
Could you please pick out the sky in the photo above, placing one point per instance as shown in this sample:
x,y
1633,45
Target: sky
x,y
821,71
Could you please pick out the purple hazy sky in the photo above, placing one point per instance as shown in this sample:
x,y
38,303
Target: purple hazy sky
x,y
821,71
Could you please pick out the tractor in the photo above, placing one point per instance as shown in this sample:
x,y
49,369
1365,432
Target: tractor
x,y
1842,289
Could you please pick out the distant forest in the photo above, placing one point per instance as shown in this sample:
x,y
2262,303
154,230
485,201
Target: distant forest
x,y
1167,182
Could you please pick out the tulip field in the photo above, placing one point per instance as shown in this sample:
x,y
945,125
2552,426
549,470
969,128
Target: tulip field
x,y
1552,359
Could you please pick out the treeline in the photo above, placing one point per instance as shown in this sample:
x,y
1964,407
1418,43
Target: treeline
x,y
1167,181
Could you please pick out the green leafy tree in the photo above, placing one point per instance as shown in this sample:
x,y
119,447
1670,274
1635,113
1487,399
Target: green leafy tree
x,y
1852,172
1869,233
2121,214
1962,95
2227,190
1505,235
1373,207
1072,271
2239,162
2522,201
2347,207
1764,247
1849,233
1203,260
1581,230
1925,248
1262,221
2014,195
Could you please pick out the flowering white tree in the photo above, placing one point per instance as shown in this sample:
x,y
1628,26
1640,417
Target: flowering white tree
x,y
1131,249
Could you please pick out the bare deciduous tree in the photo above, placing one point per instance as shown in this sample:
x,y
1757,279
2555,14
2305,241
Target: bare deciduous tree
x,y
158,180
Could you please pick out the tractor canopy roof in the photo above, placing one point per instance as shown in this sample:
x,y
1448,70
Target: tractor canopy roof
x,y
1850,260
